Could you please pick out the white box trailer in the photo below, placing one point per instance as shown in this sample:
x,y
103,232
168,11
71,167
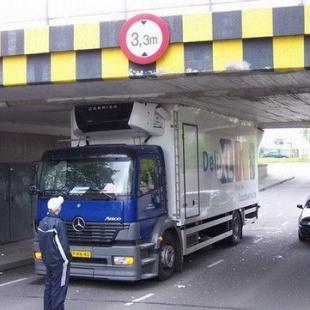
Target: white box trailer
x,y
199,186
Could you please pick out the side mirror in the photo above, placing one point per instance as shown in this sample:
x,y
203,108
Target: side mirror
x,y
35,166
33,190
300,206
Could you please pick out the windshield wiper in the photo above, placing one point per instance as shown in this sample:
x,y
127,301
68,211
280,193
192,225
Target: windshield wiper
x,y
96,192
88,191
108,195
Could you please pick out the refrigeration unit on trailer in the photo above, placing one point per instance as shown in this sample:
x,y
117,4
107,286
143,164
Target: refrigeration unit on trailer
x,y
145,185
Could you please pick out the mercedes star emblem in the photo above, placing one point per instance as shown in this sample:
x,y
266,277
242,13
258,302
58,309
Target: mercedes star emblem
x,y
78,224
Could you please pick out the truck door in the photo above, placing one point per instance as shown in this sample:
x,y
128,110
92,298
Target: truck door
x,y
191,170
151,201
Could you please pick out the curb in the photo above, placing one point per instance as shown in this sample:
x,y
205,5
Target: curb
x,y
13,265
275,184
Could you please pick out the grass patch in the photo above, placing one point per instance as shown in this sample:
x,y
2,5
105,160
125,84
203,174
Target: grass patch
x,y
270,160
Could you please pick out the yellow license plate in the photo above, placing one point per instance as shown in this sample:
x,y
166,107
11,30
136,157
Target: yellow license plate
x,y
81,254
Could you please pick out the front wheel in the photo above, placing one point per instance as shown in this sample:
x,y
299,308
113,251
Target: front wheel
x,y
300,237
167,257
236,227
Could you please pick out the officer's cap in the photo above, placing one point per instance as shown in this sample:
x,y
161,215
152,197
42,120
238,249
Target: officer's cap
x,y
55,203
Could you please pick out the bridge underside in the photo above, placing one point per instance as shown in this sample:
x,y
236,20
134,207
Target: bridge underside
x,y
225,62
269,99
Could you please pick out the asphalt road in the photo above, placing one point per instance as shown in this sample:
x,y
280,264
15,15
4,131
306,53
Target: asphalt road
x,y
269,269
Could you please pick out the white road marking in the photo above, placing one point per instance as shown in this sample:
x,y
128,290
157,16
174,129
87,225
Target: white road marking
x,y
12,282
181,286
284,224
258,240
139,299
245,250
143,297
216,263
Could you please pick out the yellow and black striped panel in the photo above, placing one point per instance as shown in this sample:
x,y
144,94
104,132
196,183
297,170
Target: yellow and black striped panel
x,y
14,70
258,39
278,53
36,41
216,26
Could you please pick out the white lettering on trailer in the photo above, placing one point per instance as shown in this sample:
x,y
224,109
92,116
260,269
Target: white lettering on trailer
x,y
258,240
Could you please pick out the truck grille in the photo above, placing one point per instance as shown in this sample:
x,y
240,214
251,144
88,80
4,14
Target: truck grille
x,y
95,232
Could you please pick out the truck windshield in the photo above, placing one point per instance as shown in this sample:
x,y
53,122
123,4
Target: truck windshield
x,y
107,177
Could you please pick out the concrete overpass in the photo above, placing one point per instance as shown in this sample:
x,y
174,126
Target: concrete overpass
x,y
249,64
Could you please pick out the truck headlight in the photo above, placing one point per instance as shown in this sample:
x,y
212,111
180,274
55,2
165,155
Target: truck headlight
x,y
37,255
123,260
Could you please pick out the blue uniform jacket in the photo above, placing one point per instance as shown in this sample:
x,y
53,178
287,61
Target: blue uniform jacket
x,y
53,241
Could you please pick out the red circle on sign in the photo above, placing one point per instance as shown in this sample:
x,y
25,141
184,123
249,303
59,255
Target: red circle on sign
x,y
143,60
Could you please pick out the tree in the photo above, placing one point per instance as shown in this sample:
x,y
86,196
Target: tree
x,y
306,134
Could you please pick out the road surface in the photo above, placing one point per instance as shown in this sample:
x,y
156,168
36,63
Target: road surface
x,y
269,269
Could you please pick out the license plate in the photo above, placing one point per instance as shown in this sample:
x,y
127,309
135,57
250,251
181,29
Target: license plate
x,y
81,254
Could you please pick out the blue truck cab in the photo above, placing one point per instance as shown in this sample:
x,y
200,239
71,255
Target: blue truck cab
x,y
115,210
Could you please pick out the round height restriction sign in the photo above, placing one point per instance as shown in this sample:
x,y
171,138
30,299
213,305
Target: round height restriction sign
x,y
144,38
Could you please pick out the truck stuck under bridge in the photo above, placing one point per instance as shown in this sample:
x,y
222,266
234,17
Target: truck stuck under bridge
x,y
138,194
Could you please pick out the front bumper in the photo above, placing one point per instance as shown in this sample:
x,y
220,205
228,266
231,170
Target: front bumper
x,y
101,266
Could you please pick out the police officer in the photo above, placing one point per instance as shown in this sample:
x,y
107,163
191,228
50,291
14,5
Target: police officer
x,y
56,255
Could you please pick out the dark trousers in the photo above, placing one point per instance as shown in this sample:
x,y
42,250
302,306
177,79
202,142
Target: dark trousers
x,y
55,293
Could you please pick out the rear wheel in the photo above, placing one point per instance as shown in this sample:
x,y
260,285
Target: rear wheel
x,y
167,257
236,227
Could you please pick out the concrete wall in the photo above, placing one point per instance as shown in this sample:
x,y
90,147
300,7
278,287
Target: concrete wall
x,y
262,171
21,148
